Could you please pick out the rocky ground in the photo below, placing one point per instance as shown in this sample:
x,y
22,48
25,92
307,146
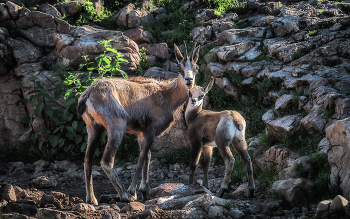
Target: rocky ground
x,y
57,190
294,56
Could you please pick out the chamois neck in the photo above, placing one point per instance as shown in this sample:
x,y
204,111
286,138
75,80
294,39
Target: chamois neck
x,y
192,112
178,93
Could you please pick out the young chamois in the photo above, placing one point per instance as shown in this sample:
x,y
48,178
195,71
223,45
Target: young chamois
x,y
208,129
145,107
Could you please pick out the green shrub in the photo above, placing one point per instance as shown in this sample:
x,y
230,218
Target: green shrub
x,y
88,14
305,142
181,22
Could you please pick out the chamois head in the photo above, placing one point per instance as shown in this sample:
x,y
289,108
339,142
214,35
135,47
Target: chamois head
x,y
197,93
187,64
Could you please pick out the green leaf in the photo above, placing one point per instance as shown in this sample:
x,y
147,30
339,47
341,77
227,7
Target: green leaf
x,y
70,101
70,129
48,110
39,108
15,90
58,94
112,50
53,140
83,147
78,139
33,137
31,113
40,144
74,125
61,142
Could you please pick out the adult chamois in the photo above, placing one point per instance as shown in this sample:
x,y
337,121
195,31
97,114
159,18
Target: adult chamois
x,y
208,129
145,107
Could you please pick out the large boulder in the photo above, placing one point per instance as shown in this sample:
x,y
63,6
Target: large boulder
x,y
172,139
139,35
12,131
84,40
130,18
286,124
339,155
294,189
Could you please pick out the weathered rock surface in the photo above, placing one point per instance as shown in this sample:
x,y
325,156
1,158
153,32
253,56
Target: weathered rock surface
x,y
294,189
338,153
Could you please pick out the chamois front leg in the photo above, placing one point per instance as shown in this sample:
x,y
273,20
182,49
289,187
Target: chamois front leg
x,y
146,142
241,148
196,149
94,135
207,153
226,154
115,136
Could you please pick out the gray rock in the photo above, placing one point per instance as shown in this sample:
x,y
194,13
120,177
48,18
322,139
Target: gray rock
x,y
216,211
338,154
323,208
83,207
339,205
111,215
7,193
228,87
287,124
283,102
289,172
159,50
323,146
44,182
139,35
49,9
236,214
294,189
65,166
157,72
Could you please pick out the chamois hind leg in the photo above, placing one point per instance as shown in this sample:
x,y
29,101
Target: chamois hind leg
x,y
144,187
146,140
226,154
241,147
115,132
207,153
196,149
94,135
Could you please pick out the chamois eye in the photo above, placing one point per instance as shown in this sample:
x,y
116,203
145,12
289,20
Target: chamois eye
x,y
200,97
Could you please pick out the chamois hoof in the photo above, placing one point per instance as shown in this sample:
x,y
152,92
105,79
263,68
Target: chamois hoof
x,y
145,194
221,192
251,193
92,200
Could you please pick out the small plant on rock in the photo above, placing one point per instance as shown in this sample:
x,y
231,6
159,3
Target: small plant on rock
x,y
313,32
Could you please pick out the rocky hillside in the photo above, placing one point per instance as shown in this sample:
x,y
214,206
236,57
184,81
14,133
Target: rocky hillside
x,y
285,66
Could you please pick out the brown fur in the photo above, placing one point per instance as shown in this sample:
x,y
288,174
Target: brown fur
x,y
142,106
207,129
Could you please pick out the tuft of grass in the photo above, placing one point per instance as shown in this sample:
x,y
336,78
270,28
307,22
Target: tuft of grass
x,y
73,176
304,141
313,32
228,205
265,140
298,55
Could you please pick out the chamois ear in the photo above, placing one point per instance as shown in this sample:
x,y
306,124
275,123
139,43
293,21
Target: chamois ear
x,y
195,55
209,85
178,54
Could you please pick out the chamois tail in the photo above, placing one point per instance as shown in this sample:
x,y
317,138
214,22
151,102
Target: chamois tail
x,y
81,106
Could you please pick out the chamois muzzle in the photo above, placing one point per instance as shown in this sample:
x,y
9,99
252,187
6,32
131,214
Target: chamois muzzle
x,y
189,81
